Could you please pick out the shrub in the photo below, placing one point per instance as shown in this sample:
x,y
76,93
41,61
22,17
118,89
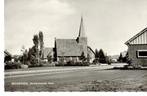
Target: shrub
x,y
96,60
102,60
129,61
47,64
83,63
109,63
12,65
7,58
41,62
49,58
72,63
60,64
36,63
24,66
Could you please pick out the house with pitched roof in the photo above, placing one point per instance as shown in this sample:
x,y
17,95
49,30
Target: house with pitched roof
x,y
137,48
8,56
47,51
72,49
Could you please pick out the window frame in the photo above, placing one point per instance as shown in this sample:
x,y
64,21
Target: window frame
x,y
141,51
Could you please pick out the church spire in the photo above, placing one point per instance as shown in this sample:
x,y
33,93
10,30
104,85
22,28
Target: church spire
x,y
81,30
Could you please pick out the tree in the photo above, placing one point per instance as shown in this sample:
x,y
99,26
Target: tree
x,y
29,54
7,58
96,60
36,40
126,58
33,56
34,52
35,47
23,49
96,53
41,44
25,57
49,58
102,57
120,59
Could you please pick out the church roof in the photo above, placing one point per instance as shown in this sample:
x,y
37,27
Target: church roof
x,y
90,49
140,38
6,53
69,47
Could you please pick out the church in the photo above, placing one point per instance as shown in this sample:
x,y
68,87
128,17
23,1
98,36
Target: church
x,y
72,49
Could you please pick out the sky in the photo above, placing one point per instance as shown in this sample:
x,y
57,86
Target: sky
x,y
108,23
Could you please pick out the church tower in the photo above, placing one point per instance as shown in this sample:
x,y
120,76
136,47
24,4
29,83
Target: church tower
x,y
82,39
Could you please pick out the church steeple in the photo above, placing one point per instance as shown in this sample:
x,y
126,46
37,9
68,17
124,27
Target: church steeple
x,y
81,29
82,39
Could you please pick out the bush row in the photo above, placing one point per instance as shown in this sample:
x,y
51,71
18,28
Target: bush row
x,y
71,63
17,65
12,65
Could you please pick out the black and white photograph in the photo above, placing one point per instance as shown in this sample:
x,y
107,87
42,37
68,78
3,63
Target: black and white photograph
x,y
75,46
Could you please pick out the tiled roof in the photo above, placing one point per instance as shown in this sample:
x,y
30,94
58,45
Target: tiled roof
x,y
6,53
70,47
47,51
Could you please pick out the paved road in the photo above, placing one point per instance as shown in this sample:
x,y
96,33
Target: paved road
x,y
70,75
51,70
